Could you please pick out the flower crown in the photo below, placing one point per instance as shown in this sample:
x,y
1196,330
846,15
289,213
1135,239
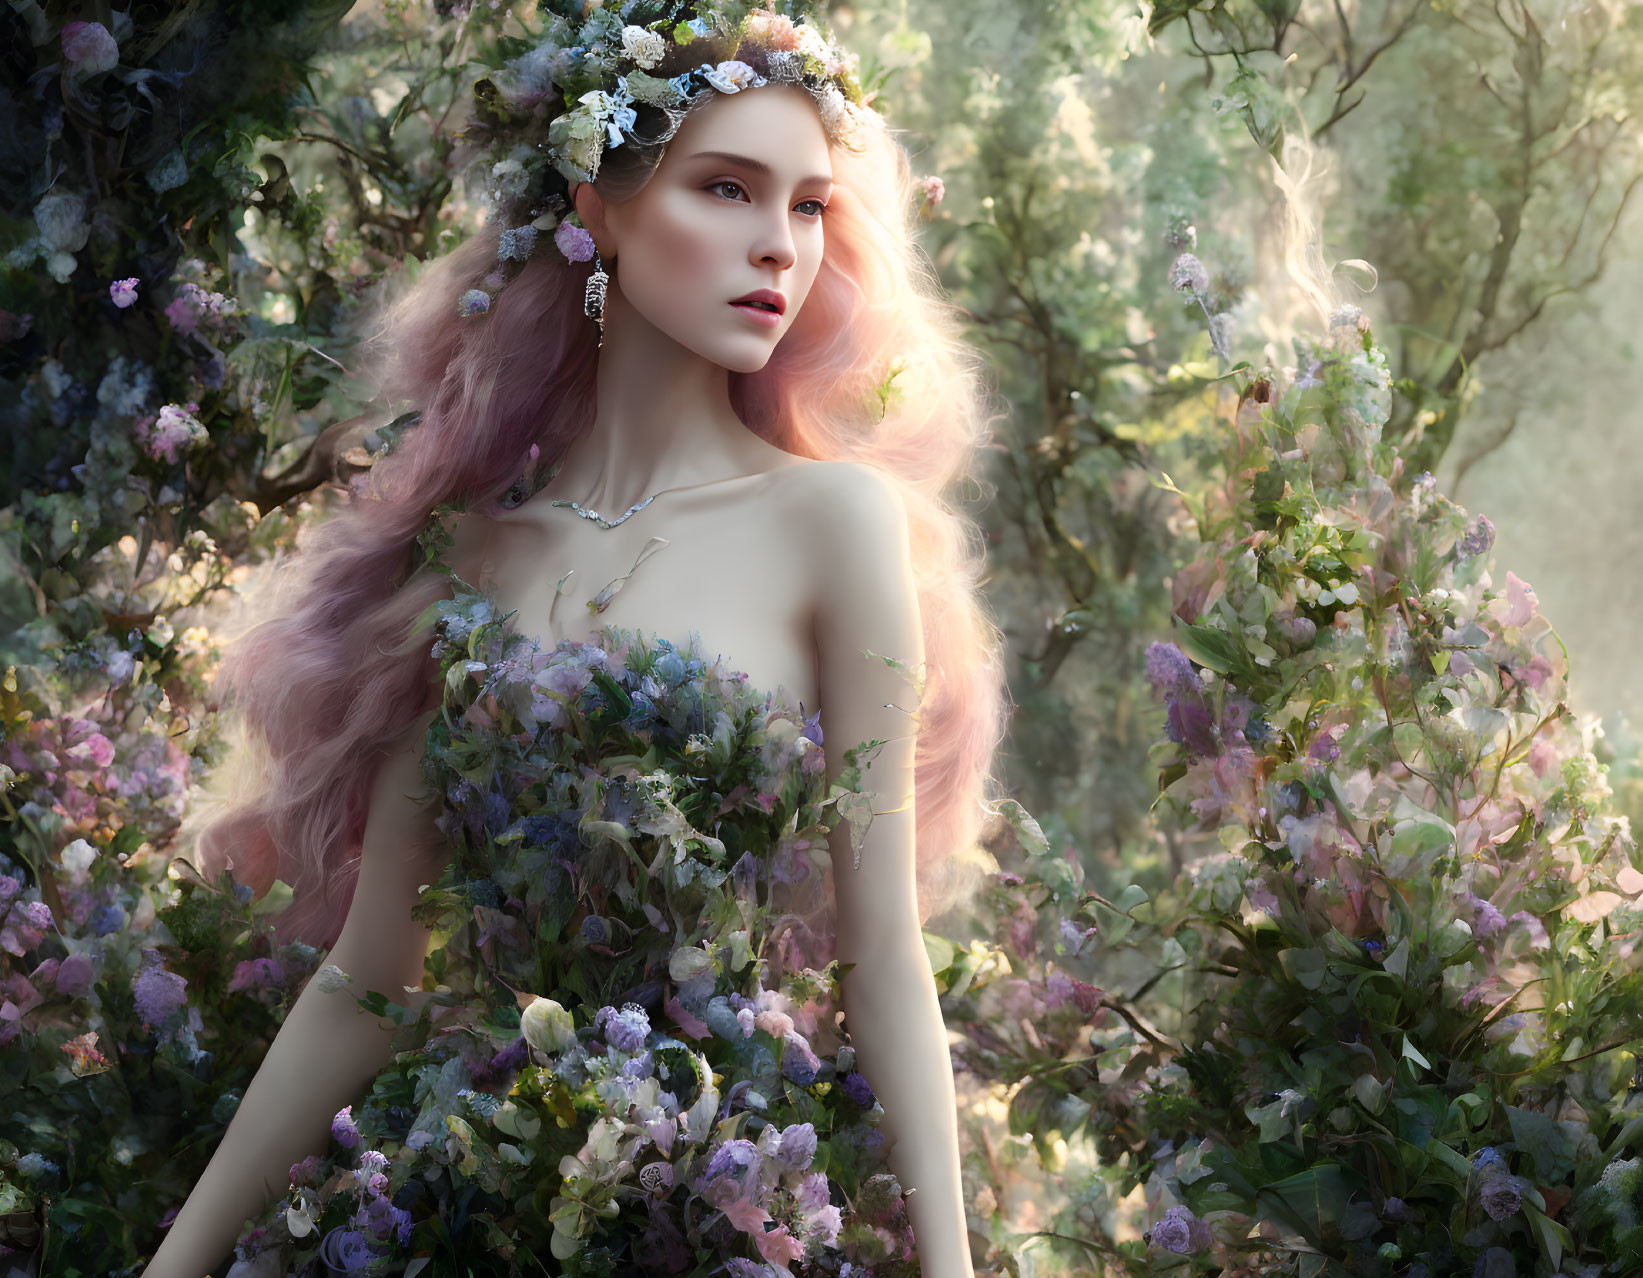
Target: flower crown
x,y
546,116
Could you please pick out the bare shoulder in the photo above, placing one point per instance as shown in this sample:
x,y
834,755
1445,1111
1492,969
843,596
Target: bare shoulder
x,y
864,598
853,522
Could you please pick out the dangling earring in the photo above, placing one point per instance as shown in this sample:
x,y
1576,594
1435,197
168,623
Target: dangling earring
x,y
593,301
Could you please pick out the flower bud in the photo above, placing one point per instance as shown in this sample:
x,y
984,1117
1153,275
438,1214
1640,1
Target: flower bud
x,y
547,1026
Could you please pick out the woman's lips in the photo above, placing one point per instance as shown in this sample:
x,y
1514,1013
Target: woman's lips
x,y
768,318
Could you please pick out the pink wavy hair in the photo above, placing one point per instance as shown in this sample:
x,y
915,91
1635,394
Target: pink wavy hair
x,y
332,672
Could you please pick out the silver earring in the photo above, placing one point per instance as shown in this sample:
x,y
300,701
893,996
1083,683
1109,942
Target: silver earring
x,y
593,301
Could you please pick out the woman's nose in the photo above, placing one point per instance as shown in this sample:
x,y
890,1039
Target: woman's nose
x,y
775,246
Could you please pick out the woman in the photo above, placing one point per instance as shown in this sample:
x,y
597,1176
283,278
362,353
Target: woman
x,y
777,511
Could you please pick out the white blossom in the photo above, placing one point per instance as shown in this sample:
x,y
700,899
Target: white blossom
x,y
644,47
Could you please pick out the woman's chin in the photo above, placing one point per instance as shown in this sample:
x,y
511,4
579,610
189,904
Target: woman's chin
x,y
744,356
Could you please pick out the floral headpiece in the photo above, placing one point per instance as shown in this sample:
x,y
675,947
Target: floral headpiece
x,y
546,116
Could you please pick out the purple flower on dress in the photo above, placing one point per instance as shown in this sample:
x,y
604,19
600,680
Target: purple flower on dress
x,y
372,1161
797,1149
813,1192
343,1129
347,1250
252,973
738,1159
799,1062
506,1063
124,292
625,1030
574,242
857,1089
640,1066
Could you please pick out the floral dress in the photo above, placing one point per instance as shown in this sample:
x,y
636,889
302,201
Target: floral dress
x,y
632,1060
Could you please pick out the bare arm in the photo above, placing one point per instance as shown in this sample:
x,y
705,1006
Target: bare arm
x,y
866,599
328,1049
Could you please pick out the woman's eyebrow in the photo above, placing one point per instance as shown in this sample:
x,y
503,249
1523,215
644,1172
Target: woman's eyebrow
x,y
758,166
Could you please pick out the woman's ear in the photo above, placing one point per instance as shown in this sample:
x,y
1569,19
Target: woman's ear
x,y
590,207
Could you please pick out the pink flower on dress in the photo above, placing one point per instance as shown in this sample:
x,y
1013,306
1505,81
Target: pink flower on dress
x,y
778,1246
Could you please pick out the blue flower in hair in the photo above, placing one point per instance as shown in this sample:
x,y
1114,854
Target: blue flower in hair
x,y
515,245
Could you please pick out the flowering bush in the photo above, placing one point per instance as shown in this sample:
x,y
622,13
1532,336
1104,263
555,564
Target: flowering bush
x,y
1411,988
1427,907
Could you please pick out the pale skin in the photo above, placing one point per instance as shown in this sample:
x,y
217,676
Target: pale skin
x,y
794,570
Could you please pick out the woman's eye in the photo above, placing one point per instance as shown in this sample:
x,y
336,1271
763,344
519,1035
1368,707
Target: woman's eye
x,y
820,207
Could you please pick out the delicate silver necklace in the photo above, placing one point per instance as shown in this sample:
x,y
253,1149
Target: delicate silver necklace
x,y
599,519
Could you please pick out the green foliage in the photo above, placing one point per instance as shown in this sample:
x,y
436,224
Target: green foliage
x,y
1405,1019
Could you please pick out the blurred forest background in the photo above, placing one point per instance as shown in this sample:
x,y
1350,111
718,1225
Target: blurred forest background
x,y
1139,209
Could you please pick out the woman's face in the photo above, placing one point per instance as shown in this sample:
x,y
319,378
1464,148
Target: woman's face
x,y
736,206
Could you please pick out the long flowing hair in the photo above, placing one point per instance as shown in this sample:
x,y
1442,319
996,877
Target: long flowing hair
x,y
331,671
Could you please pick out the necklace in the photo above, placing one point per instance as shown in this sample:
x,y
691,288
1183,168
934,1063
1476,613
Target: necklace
x,y
588,513
600,519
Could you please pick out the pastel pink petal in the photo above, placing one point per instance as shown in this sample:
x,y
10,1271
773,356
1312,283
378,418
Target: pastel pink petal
x,y
747,1217
778,1246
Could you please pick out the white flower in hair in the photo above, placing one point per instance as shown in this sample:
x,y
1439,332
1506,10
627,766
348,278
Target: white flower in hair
x,y
833,107
599,102
731,76
644,47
